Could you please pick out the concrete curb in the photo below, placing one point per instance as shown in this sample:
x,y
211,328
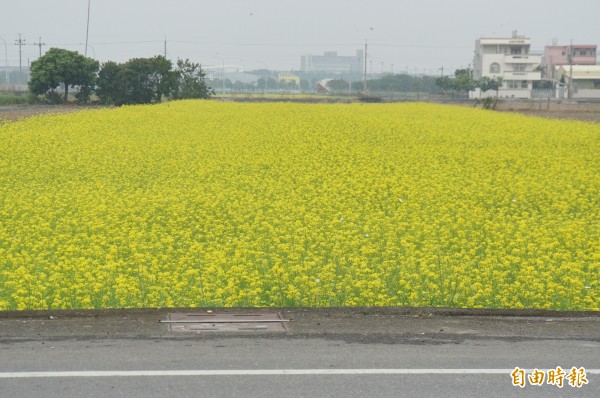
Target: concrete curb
x,y
339,311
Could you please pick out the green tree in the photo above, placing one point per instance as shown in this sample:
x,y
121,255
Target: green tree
x,y
149,79
338,86
266,84
62,66
138,81
490,83
444,83
191,81
463,81
110,83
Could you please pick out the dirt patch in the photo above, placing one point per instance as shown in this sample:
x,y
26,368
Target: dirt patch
x,y
569,115
16,112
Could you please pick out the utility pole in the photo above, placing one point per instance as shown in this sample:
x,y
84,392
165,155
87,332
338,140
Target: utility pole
x,y
87,30
350,81
223,74
165,46
365,71
570,87
20,42
40,44
7,77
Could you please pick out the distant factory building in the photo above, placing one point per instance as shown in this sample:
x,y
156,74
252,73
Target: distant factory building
x,y
331,62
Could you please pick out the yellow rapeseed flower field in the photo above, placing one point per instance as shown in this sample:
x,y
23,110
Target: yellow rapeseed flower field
x,y
196,203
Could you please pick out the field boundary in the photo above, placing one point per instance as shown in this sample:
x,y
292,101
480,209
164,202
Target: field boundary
x,y
421,312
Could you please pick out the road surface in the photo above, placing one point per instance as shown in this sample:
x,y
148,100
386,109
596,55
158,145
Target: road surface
x,y
323,353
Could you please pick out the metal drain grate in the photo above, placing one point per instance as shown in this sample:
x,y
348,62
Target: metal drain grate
x,y
226,322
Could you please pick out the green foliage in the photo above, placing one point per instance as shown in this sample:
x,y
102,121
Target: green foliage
x,y
109,88
463,81
370,99
542,69
53,97
487,83
338,85
61,66
150,79
191,81
84,94
266,84
241,86
138,81
12,99
398,83
487,102
444,83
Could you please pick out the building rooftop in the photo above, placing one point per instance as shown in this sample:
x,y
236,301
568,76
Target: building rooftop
x,y
505,40
573,45
581,71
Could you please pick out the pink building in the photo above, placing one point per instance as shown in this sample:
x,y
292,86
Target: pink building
x,y
583,54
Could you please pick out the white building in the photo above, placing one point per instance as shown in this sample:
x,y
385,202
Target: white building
x,y
509,59
585,82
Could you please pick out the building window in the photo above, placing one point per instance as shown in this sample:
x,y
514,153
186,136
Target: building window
x,y
515,50
516,84
596,83
495,68
519,67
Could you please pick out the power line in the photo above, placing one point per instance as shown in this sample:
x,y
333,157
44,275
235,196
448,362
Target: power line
x,y
358,45
318,44
108,43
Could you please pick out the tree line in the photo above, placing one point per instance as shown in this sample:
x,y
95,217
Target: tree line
x,y
463,82
137,81
460,83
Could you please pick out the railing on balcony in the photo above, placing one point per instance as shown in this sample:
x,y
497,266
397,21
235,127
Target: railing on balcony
x,y
522,75
522,59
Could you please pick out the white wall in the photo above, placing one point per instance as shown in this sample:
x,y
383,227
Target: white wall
x,y
488,60
587,93
502,93
514,93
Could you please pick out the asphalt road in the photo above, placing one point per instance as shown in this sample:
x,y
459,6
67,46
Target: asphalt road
x,y
323,353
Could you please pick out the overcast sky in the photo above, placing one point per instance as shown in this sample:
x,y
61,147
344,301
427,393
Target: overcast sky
x,y
416,35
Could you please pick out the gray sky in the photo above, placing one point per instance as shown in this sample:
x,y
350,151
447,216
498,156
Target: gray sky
x,y
418,35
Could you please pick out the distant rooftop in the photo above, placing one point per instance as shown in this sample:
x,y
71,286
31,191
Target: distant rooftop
x,y
574,45
582,71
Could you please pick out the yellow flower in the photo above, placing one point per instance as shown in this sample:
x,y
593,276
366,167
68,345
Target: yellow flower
x,y
200,203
